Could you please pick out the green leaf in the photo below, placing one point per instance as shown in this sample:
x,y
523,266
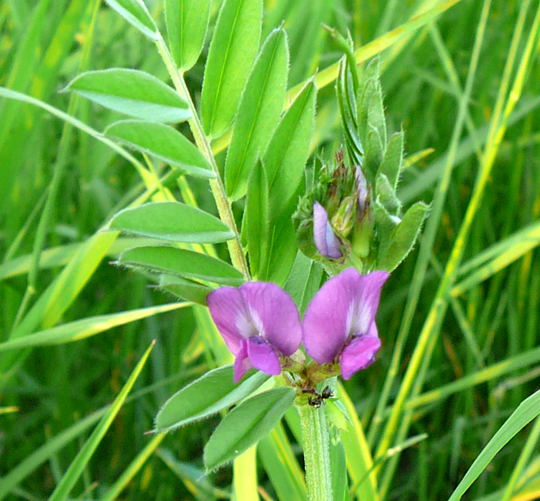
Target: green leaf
x,y
528,410
304,280
81,329
172,221
182,262
258,113
84,455
245,425
187,22
232,51
206,396
370,104
392,162
386,194
163,142
257,222
283,251
185,289
132,92
288,151
403,237
136,14
385,224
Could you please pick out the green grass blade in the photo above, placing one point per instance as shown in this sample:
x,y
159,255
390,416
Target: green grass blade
x,y
17,96
87,327
528,410
48,449
133,468
74,471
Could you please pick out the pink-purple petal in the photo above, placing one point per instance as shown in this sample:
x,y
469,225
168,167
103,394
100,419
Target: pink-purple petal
x,y
228,308
325,321
262,356
275,314
365,293
324,237
241,362
358,354
344,306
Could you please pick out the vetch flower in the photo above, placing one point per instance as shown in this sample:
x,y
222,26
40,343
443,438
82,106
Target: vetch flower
x,y
325,239
339,324
259,323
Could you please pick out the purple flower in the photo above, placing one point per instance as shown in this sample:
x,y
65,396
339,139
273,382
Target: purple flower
x,y
325,239
259,322
340,321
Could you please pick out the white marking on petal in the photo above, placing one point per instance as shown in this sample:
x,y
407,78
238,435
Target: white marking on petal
x,y
358,316
249,324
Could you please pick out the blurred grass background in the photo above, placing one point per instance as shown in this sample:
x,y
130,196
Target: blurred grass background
x,y
484,355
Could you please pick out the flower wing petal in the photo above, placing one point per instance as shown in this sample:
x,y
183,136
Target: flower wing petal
x,y
262,356
228,311
241,362
324,237
275,313
359,353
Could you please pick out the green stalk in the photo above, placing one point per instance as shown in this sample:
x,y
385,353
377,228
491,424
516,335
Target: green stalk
x,y
316,452
223,203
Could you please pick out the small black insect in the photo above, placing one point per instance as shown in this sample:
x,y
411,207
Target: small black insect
x,y
315,401
318,398
327,392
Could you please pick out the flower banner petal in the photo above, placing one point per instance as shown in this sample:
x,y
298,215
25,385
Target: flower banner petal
x,y
344,306
367,293
275,313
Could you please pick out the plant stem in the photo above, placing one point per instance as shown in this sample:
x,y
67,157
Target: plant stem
x,y
223,204
316,452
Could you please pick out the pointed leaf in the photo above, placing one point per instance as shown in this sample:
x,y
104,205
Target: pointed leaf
x,y
283,251
206,396
232,51
304,280
258,113
135,93
172,221
373,153
371,108
288,151
185,289
181,262
163,142
403,237
257,223
136,14
392,162
385,224
386,194
187,22
245,425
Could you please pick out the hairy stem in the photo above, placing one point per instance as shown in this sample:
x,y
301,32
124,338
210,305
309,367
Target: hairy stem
x,y
316,452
